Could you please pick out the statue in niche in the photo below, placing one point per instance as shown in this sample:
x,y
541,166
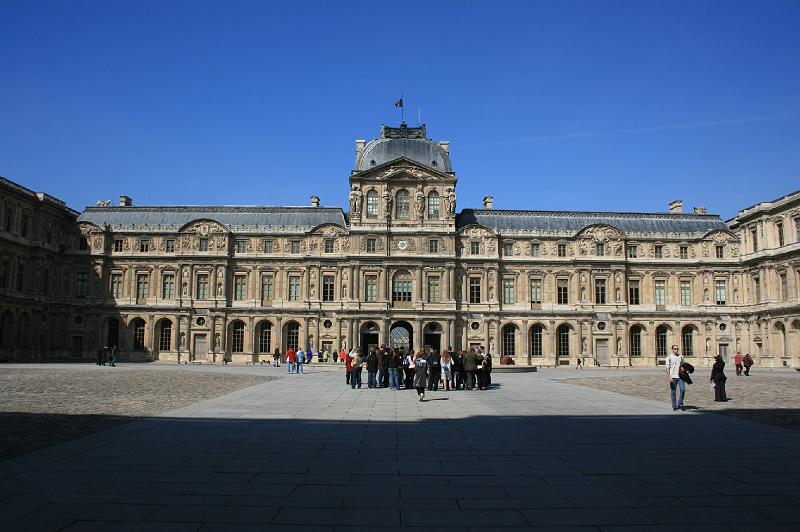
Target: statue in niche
x,y
619,345
355,201
217,340
491,293
185,288
619,295
387,204
419,202
219,289
583,293
584,345
183,339
450,203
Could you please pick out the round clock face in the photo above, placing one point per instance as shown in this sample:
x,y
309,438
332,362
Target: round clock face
x,y
402,244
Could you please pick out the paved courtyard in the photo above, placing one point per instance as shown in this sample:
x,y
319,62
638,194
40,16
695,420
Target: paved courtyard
x,y
304,452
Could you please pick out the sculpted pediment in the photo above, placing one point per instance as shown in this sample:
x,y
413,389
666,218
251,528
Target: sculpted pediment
x,y
404,169
204,227
328,230
601,233
720,236
475,231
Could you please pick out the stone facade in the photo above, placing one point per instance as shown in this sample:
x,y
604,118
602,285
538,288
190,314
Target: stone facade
x,y
404,267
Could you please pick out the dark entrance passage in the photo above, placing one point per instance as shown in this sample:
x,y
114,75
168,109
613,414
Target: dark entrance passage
x,y
433,337
370,336
400,336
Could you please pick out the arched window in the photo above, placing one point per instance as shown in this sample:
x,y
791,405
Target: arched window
x,y
293,335
636,341
401,288
264,337
433,205
536,341
138,326
403,205
687,341
509,339
661,341
372,204
113,332
237,337
562,341
165,336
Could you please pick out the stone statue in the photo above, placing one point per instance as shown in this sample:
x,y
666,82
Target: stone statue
x,y
355,201
619,345
387,204
185,288
450,203
584,345
618,295
491,293
183,339
217,340
419,202
219,289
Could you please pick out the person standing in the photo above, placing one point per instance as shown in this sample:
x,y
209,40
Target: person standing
x,y
487,371
348,365
747,362
301,359
435,370
358,365
470,366
673,368
447,371
408,366
291,356
113,356
276,358
395,367
372,369
420,374
718,379
382,369
737,361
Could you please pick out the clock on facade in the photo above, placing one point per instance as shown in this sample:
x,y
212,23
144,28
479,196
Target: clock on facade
x,y
402,244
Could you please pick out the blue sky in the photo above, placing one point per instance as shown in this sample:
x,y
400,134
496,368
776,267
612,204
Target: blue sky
x,y
579,105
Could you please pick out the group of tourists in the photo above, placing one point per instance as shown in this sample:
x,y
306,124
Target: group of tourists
x,y
388,367
679,375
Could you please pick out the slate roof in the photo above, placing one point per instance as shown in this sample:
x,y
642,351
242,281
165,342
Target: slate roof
x,y
410,142
238,219
567,223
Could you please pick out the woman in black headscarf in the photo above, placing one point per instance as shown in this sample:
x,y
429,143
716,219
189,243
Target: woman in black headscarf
x,y
718,378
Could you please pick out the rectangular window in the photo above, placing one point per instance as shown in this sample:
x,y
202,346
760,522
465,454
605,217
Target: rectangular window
x,y
562,250
534,250
784,288
241,246
684,252
370,245
720,250
295,246
116,285
720,292
239,287
203,244
142,288
433,206
600,291
328,245
371,288
779,230
401,290
660,292
686,293
328,287
372,204
267,287
633,292
562,291
268,245
474,248
508,291
536,291
169,245
433,289
433,246
754,238
474,289
632,251
294,288
600,249
659,252
508,249
144,245
168,286
81,284
202,286
118,243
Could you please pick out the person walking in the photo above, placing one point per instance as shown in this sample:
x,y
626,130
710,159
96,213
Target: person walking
x,y
291,357
358,365
737,361
747,362
435,370
113,362
420,375
301,359
470,366
673,368
372,369
276,358
718,379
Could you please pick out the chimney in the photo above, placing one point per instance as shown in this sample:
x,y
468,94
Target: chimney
x,y
315,201
488,202
676,207
360,143
700,210
445,145
125,201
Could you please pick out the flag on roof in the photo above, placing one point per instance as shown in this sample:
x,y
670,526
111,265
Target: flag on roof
x,y
399,103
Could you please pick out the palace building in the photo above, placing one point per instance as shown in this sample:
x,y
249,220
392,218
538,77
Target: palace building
x,y
401,266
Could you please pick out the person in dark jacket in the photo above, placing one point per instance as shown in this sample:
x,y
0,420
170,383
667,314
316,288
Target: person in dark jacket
x,y
470,366
420,374
718,378
487,371
458,369
372,369
434,370
747,362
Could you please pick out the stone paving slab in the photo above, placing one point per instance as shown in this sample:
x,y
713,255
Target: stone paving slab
x,y
304,452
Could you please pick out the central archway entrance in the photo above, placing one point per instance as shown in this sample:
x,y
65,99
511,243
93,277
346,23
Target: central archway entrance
x,y
433,336
370,336
401,336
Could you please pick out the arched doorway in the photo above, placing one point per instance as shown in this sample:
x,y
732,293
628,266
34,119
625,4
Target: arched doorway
x,y
778,340
432,336
508,340
164,339
535,337
138,329
661,343
401,336
687,340
264,338
562,343
635,341
370,336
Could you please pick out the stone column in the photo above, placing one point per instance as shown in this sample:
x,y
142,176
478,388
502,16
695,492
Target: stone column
x,y
524,357
418,335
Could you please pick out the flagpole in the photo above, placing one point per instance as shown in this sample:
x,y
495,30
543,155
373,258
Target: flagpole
x,y
402,109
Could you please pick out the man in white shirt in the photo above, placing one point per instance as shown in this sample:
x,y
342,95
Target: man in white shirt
x,y
673,368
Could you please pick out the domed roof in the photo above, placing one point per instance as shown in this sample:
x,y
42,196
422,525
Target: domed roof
x,y
403,141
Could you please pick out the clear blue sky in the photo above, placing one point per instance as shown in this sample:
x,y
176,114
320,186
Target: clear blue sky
x,y
580,105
